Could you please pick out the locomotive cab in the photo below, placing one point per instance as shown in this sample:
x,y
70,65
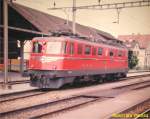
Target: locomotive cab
x,y
45,53
46,62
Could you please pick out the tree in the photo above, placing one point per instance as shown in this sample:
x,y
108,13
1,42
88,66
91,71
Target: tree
x,y
132,60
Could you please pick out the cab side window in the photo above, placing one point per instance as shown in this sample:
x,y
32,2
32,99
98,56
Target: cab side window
x,y
111,53
71,48
87,50
80,48
100,51
64,47
120,54
37,47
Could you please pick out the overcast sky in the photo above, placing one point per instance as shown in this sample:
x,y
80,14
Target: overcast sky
x,y
132,20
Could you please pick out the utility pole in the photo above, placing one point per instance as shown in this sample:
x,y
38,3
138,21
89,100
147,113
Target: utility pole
x,y
22,57
5,36
74,17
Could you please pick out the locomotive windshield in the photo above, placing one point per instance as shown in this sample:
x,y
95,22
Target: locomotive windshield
x,y
54,47
37,47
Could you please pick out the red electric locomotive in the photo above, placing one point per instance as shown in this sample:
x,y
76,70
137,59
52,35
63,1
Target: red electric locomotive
x,y
55,61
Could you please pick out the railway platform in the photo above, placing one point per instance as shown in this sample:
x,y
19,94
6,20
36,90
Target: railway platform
x,y
137,73
13,76
16,88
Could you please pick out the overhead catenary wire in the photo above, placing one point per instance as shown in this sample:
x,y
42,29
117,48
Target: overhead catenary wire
x,y
141,3
99,6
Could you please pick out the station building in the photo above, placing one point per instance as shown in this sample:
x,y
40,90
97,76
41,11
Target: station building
x,y
24,23
140,45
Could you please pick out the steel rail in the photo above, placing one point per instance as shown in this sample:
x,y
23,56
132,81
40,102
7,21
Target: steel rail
x,y
136,105
146,111
47,104
19,95
128,108
68,108
132,84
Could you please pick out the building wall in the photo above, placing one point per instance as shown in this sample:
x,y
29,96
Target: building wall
x,y
141,58
140,53
147,59
142,48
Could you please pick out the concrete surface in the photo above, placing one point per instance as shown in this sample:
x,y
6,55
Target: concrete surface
x,y
104,109
13,76
16,88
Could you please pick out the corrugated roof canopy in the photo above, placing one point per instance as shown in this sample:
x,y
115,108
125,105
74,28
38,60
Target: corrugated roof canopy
x,y
45,23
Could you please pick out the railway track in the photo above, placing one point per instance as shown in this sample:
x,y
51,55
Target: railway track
x,y
51,107
146,113
54,107
135,84
35,92
19,95
137,111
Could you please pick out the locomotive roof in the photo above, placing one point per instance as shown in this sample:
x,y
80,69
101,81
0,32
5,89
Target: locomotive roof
x,y
84,40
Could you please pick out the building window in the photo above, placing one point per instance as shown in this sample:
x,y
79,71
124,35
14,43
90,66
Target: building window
x,y
137,53
87,49
100,50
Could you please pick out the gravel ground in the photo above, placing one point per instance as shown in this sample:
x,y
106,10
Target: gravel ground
x,y
53,95
105,109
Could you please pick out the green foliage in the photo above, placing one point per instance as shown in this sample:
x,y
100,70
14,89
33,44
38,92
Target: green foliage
x,y
132,60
